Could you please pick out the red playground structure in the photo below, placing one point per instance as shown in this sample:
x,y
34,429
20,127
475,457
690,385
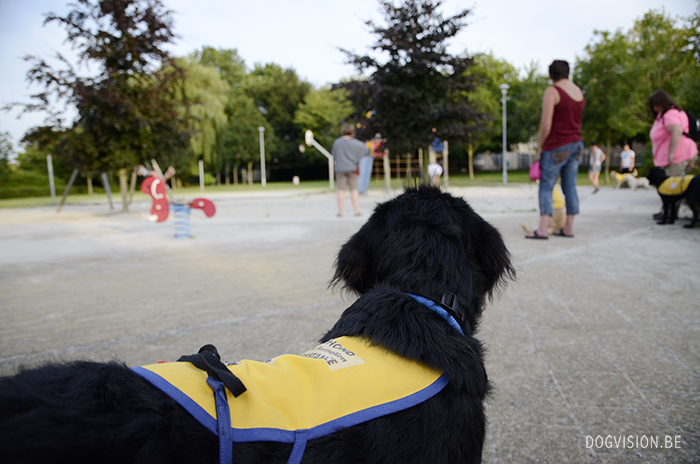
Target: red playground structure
x,y
155,186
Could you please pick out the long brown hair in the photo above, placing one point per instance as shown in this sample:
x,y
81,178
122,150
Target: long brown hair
x,y
663,99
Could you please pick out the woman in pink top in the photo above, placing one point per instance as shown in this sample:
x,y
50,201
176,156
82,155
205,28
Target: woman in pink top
x,y
672,150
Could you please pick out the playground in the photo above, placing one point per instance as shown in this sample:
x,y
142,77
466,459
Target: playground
x,y
594,352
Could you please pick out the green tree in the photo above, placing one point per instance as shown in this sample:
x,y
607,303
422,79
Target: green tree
x,y
524,104
126,109
25,180
604,80
619,71
5,153
239,141
420,87
489,72
228,63
33,159
689,87
323,112
206,94
662,49
277,93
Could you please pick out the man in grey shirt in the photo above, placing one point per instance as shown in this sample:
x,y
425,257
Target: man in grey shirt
x,y
347,151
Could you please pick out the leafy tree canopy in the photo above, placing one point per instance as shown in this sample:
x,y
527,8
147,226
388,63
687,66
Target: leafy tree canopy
x,y
227,62
524,105
5,152
205,92
620,70
126,110
239,141
277,93
323,112
524,101
417,89
488,73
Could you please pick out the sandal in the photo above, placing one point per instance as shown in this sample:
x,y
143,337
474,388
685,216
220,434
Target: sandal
x,y
536,236
562,234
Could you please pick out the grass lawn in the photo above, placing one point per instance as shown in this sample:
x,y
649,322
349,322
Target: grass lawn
x,y
492,179
482,179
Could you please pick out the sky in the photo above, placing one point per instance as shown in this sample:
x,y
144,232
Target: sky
x,y
306,35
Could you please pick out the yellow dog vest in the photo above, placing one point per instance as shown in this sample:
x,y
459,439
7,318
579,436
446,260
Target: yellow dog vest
x,y
557,198
295,398
675,185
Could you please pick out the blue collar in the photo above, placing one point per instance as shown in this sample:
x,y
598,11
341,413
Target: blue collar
x,y
438,309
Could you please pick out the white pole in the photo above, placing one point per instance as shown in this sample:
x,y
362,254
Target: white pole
x,y
309,139
504,91
52,185
263,176
201,175
105,183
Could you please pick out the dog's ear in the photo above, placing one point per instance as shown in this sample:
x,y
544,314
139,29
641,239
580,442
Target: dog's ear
x,y
493,257
355,266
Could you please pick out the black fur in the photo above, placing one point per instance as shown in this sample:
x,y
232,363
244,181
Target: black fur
x,y
656,177
423,242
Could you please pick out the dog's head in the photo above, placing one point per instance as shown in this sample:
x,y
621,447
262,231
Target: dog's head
x,y
426,242
656,176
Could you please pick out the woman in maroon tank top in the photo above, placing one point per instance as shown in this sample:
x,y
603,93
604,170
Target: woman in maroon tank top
x,y
561,145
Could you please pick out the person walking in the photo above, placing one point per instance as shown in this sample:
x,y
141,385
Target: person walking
x,y
561,144
627,158
347,152
597,158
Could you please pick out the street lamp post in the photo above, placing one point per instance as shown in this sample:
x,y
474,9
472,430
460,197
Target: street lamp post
x,y
263,176
504,91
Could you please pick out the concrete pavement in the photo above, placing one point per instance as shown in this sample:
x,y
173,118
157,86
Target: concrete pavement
x,y
594,351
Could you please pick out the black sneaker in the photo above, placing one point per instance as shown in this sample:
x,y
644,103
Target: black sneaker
x,y
658,216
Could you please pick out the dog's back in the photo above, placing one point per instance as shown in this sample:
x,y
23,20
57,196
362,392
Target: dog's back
x,y
423,266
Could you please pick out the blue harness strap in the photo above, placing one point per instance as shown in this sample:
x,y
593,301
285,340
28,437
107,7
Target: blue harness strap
x,y
430,304
300,439
223,421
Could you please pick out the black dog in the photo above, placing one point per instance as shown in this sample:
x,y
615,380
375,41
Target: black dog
x,y
672,190
424,246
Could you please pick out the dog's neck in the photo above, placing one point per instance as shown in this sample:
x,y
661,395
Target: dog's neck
x,y
390,318
441,310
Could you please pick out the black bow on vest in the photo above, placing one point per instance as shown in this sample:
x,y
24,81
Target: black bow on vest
x,y
208,360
